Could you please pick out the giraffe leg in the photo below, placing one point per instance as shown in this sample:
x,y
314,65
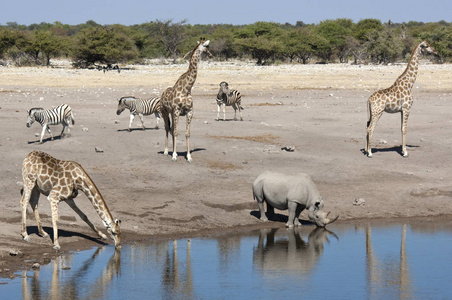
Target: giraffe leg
x,y
132,116
53,199
142,121
34,205
72,204
370,130
157,116
187,135
175,117
404,122
28,187
166,121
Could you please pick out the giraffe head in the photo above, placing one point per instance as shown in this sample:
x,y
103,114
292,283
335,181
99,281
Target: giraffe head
x,y
224,88
426,48
31,115
203,46
115,232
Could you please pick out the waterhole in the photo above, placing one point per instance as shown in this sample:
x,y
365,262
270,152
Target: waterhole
x,y
346,261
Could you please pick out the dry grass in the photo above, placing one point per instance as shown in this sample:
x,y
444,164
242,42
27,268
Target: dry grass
x,y
266,104
219,165
266,138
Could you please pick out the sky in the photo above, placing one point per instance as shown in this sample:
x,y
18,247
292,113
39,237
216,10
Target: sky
x,y
235,12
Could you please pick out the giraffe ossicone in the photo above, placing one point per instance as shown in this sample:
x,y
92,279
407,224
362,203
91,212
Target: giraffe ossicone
x,y
396,98
60,180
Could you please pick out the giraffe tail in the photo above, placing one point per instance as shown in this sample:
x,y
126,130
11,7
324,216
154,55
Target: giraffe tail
x,y
369,115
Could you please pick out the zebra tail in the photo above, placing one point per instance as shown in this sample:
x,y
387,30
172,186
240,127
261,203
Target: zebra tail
x,y
72,118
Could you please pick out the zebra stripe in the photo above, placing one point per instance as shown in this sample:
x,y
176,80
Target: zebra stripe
x,y
228,97
61,114
140,107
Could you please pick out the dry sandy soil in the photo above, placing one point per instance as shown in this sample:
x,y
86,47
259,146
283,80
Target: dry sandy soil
x,y
319,110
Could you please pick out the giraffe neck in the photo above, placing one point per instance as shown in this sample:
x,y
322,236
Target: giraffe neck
x,y
90,190
187,80
410,73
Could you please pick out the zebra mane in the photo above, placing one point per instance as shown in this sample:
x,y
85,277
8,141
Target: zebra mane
x,y
122,99
32,110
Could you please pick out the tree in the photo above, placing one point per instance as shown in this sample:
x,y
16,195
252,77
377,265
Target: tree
x,y
336,32
385,46
263,40
171,35
102,45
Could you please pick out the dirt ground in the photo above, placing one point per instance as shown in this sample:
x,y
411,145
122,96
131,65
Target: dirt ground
x,y
317,110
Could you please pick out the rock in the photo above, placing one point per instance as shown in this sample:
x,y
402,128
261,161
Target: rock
x,y
99,150
36,266
85,129
288,148
15,252
359,202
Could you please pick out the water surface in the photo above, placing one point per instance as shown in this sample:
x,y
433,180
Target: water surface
x,y
395,261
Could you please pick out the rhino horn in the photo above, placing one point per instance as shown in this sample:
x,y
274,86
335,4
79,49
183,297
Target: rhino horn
x,y
328,221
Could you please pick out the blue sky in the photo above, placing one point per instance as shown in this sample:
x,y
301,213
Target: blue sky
x,y
236,12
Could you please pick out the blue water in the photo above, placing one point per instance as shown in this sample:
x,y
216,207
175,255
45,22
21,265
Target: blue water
x,y
366,261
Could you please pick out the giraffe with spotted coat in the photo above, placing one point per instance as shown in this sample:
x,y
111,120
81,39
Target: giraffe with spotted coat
x,y
60,181
177,100
396,98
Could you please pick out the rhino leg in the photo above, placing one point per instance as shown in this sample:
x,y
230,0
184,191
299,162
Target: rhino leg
x,y
298,211
292,206
260,203
270,211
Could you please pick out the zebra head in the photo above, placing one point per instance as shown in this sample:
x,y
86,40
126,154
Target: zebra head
x,y
224,88
121,105
31,115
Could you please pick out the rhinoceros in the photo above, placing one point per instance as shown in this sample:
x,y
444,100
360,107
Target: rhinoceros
x,y
292,192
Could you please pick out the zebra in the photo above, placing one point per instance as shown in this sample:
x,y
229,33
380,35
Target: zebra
x,y
228,97
61,114
140,107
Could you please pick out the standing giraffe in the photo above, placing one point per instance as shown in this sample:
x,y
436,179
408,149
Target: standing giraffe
x,y
177,100
396,98
60,180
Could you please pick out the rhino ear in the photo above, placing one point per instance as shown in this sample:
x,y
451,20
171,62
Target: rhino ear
x,y
317,205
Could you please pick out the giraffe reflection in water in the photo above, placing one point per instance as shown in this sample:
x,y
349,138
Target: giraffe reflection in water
x,y
385,273
176,279
70,288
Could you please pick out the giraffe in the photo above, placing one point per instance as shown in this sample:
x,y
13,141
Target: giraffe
x,y
177,100
60,181
396,98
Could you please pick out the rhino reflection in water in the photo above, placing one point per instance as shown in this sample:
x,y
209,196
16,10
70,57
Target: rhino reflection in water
x,y
291,254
